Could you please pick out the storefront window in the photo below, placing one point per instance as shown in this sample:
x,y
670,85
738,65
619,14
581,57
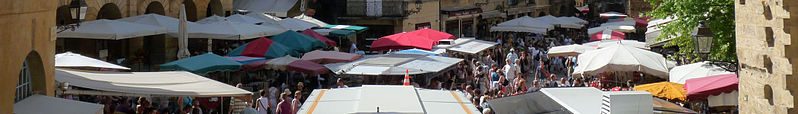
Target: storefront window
x,y
24,88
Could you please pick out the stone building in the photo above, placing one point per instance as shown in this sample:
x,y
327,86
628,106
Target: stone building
x,y
132,52
636,7
765,55
27,47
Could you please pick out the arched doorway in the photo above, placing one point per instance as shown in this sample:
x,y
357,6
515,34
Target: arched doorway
x,y
191,10
155,7
31,78
214,8
109,11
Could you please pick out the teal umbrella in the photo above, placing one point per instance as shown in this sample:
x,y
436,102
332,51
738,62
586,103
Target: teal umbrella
x,y
298,41
346,27
202,64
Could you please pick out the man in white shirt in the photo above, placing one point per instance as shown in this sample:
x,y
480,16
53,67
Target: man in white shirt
x,y
511,56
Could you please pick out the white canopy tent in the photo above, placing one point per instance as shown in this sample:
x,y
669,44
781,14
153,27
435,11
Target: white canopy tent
x,y
608,43
309,19
621,58
280,63
573,19
394,64
268,18
274,7
564,23
212,19
171,24
680,74
621,23
576,100
296,24
387,99
619,28
69,59
226,30
245,19
111,30
39,104
569,50
173,83
472,47
523,24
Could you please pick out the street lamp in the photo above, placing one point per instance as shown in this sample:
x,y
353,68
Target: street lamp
x,y
702,39
77,10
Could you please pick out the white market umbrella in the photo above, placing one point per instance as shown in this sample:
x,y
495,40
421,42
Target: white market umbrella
x,y
569,50
680,74
622,59
212,19
296,24
267,17
523,24
69,59
170,23
280,63
226,30
561,22
612,15
619,28
309,19
608,43
111,30
182,50
573,19
245,19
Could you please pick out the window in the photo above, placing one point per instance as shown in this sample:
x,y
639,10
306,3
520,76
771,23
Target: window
x,y
742,2
769,36
768,64
769,94
24,88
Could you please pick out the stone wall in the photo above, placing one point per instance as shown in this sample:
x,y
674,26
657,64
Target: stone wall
x,y
637,7
765,55
26,35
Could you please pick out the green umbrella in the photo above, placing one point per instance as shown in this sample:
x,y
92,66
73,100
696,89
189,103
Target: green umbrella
x,y
202,64
298,41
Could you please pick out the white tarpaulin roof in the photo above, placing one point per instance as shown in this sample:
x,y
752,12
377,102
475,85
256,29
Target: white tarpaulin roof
x,y
680,74
296,24
226,30
472,46
621,58
245,19
309,19
172,83
574,19
569,50
619,28
69,59
278,7
564,23
39,104
212,19
268,18
608,43
576,100
394,64
389,99
523,24
111,30
171,24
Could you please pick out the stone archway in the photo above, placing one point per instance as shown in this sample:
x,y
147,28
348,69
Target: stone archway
x,y
109,11
191,10
214,8
31,79
156,8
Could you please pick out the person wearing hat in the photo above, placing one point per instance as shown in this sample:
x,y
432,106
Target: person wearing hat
x,y
511,56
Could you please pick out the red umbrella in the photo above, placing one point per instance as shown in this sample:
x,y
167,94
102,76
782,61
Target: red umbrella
x,y
607,35
701,88
432,34
307,67
323,57
642,21
257,65
316,35
402,41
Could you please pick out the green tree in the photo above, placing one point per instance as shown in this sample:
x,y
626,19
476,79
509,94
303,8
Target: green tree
x,y
686,14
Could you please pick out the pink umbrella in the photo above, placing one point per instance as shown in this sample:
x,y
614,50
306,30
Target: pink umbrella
x,y
607,35
307,67
402,41
316,35
324,57
701,88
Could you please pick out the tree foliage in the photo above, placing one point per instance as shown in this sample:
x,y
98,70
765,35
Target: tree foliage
x,y
686,14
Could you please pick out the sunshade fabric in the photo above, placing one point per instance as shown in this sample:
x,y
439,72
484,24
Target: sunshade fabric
x,y
724,99
680,74
307,67
296,24
607,35
245,19
345,27
568,50
69,59
245,59
202,64
297,41
279,63
263,47
170,83
171,24
402,41
394,64
612,15
472,46
432,34
212,19
111,30
574,19
333,32
668,90
609,43
621,58
417,51
524,24
619,28
666,106
279,7
256,65
577,100
390,98
324,57
701,88
564,23
35,105
309,19
226,30
311,33
266,17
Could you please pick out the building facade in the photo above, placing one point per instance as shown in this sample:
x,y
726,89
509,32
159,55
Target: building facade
x,y
27,46
132,52
763,30
635,8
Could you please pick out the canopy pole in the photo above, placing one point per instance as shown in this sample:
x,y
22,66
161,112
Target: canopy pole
x,y
210,45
